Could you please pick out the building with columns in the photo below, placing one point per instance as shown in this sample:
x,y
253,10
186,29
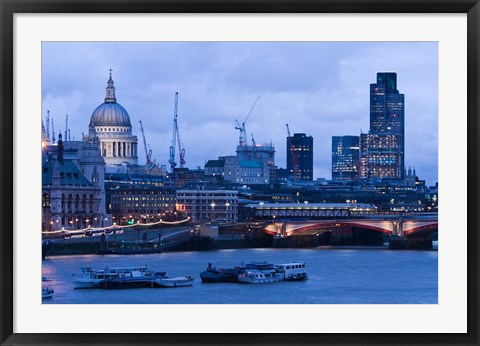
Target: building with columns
x,y
110,126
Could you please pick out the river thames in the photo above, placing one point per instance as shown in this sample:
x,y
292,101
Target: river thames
x,y
336,276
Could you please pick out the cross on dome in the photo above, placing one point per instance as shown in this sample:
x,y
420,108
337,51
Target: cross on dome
x,y
110,90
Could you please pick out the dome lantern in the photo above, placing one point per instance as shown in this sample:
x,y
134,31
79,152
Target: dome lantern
x,y
110,113
110,90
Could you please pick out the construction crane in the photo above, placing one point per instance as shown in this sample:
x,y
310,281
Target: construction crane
x,y
293,155
181,149
53,133
148,153
66,127
48,125
242,140
254,148
175,139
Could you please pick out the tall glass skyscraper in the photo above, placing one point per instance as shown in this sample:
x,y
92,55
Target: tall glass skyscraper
x,y
345,157
383,148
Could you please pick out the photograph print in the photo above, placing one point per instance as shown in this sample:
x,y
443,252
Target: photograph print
x,y
239,173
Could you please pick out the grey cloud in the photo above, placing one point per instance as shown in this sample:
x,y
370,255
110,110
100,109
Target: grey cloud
x,y
318,88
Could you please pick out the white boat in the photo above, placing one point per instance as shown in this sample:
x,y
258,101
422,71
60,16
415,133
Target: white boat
x,y
122,277
257,276
162,281
47,292
91,278
294,271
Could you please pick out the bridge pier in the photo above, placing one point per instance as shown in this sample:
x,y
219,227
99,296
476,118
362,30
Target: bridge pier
x,y
419,242
411,243
397,240
397,243
280,242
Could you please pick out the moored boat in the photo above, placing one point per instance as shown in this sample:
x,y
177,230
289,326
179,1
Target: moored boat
x,y
160,280
257,276
134,277
213,275
91,278
47,292
294,271
109,278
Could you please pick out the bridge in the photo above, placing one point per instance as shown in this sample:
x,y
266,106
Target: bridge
x,y
411,232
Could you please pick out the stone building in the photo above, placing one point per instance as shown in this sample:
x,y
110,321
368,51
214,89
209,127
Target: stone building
x,y
73,195
110,126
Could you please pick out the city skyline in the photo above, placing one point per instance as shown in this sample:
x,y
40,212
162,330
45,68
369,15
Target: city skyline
x,y
319,88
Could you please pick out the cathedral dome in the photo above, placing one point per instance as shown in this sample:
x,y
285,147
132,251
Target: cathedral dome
x,y
110,113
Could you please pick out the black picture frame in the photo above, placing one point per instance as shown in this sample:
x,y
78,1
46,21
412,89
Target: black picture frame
x,y
10,7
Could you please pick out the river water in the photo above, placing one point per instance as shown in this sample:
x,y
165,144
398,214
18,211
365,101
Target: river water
x,y
336,276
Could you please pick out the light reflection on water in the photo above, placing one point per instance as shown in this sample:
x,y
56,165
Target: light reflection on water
x,y
336,276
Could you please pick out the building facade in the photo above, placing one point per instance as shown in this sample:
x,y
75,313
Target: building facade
x,y
208,205
110,126
73,195
383,148
239,171
380,156
141,203
264,153
300,157
345,157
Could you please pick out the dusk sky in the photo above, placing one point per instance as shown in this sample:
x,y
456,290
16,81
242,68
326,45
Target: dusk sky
x,y
318,88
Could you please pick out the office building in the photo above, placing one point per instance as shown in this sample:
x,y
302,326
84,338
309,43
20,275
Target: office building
x,y
300,157
345,157
383,148
380,156
142,203
207,204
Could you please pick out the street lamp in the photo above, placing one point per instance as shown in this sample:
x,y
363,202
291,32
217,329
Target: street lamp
x,y
213,211
228,213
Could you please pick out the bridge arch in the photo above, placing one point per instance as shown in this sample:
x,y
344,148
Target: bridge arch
x,y
291,228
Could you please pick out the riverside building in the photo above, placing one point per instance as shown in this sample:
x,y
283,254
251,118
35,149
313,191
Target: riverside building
x,y
73,195
206,204
144,203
